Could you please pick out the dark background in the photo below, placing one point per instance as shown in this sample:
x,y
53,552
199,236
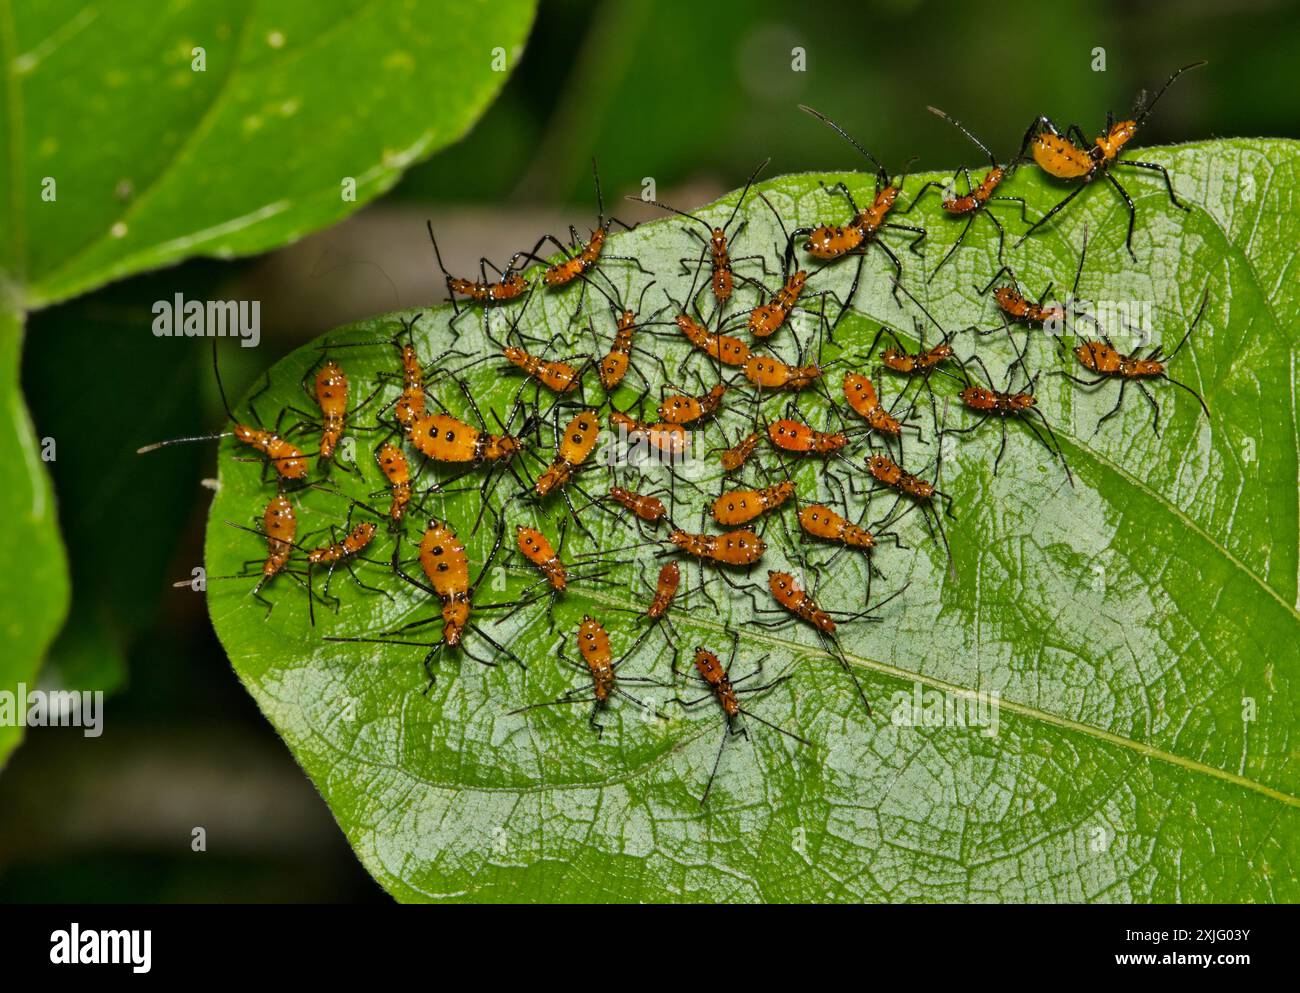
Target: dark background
x,y
653,90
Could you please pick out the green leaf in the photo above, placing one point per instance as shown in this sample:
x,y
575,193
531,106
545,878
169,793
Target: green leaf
x,y
248,153
1140,626
34,582
135,138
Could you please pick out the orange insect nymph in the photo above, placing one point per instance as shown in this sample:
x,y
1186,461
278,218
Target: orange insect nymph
x,y
741,547
647,508
353,543
332,397
288,460
443,559
794,436
789,595
593,644
860,393
742,506
713,672
822,522
575,447
766,319
672,439
393,464
670,577
281,526
738,454
537,550
681,409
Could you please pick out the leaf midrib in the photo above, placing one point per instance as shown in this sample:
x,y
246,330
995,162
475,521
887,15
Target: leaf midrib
x,y
797,651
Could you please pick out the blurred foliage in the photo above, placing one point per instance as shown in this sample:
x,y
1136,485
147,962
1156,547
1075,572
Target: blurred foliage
x,y
653,91
664,90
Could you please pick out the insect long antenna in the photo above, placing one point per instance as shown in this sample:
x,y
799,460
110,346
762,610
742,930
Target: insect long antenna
x,y
1192,392
1200,312
748,183
600,202
766,723
178,441
920,306
893,596
1078,273
726,733
1052,435
385,641
680,213
436,254
880,170
962,128
221,389
1146,107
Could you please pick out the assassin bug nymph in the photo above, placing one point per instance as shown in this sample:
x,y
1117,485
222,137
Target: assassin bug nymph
x,y
794,602
1053,317
290,463
835,241
280,527
485,292
344,547
580,260
614,366
599,664
445,565
557,573
717,244
728,692
1107,362
976,199
1071,157
329,389
987,401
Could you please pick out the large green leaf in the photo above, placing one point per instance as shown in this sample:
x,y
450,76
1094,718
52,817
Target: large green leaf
x,y
1140,627
133,137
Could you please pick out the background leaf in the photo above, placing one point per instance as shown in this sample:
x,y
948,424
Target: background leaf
x,y
248,153
33,595
1129,623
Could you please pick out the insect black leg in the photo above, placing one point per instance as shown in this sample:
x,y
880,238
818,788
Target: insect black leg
x,y
1050,214
1002,235
353,573
922,191
1002,423
1114,410
1024,207
921,234
957,244
1157,167
1132,214
1155,422
898,267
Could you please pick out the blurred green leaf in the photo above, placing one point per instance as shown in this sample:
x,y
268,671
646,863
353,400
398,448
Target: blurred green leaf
x,y
248,153
134,138
1140,626
34,577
